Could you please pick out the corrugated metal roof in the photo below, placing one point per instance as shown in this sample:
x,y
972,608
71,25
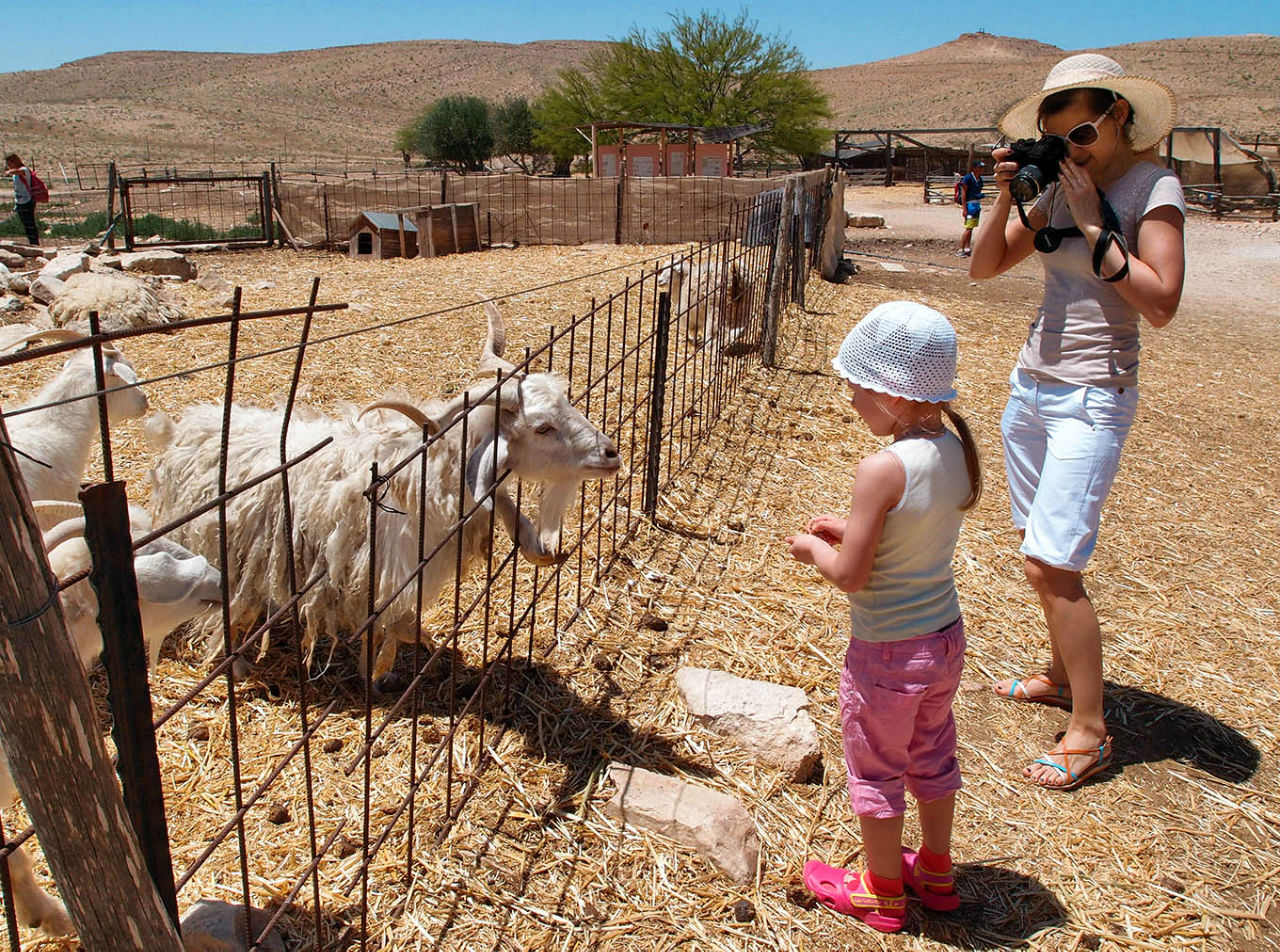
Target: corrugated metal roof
x,y
385,221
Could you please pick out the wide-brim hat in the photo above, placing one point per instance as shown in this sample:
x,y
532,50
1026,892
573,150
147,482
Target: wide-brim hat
x,y
1154,108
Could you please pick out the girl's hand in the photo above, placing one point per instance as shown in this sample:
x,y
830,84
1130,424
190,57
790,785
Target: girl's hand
x,y
803,547
828,527
1003,170
1081,195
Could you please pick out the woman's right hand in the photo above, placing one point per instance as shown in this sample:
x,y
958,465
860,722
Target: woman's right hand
x,y
1002,169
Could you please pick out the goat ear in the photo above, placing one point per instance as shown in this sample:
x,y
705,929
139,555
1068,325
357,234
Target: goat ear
x,y
485,466
121,369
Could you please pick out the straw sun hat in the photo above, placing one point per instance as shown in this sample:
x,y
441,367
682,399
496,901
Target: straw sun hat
x,y
1154,110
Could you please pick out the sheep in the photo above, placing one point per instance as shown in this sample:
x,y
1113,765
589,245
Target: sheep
x,y
54,442
705,298
121,300
173,587
526,425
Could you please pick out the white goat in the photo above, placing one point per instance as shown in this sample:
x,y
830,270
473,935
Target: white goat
x,y
527,426
173,587
121,300
55,442
705,297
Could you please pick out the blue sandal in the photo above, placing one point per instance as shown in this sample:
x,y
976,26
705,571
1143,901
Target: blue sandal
x,y
1101,761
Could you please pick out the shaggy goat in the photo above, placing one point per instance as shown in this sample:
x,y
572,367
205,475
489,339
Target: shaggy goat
x,y
173,587
526,425
54,442
121,300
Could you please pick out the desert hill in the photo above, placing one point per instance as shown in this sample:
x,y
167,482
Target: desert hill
x,y
174,107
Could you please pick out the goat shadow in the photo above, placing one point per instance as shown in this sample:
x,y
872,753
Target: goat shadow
x,y
1147,728
530,697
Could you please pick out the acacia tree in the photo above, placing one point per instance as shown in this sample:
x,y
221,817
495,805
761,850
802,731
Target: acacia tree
x,y
703,71
512,124
453,131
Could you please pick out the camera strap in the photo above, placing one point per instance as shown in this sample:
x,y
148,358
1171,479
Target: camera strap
x,y
1048,239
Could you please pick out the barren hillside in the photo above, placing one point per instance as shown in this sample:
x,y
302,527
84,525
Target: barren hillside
x,y
173,107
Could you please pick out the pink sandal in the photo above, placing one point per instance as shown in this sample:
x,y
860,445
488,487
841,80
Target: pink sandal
x,y
846,893
942,897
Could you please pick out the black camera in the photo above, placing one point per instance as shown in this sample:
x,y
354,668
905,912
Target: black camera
x,y
1038,161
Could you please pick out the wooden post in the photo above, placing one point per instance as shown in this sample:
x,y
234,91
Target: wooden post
x,y
833,231
595,153
777,274
55,752
404,248
1217,157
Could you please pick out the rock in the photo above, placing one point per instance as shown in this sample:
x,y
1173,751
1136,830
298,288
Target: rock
x,y
744,911
229,301
279,814
10,305
224,922
263,285
108,261
866,221
158,261
214,282
5,276
26,251
46,290
716,825
64,266
12,260
771,721
21,283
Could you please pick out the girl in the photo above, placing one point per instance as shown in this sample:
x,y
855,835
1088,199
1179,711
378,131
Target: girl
x,y
1109,233
23,203
904,660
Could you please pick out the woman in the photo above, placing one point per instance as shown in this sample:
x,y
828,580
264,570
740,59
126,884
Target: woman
x,y
1110,236
23,203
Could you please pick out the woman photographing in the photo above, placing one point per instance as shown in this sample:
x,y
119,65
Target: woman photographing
x,y
1109,233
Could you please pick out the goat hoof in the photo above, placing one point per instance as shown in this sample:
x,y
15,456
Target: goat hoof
x,y
390,683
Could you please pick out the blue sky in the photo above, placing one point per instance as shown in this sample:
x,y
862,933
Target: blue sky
x,y
828,34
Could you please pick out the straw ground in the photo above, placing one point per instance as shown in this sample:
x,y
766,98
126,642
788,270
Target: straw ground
x,y
1175,847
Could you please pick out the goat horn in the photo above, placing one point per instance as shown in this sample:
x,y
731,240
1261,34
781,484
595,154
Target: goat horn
x,y
408,409
64,530
49,334
491,359
56,510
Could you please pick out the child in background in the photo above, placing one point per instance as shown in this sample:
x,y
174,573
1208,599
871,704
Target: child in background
x,y
892,555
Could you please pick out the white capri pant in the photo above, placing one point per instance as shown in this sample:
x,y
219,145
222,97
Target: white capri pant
x,y
1062,446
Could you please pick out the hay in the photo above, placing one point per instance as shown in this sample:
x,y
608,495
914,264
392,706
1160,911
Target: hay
x,y
1176,849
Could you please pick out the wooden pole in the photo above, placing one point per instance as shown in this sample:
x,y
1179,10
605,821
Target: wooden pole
x,y
777,272
55,752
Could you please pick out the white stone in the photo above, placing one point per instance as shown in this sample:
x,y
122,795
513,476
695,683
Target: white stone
x,y
10,305
26,251
12,260
213,282
771,721
46,290
714,824
263,285
158,261
21,283
5,276
65,265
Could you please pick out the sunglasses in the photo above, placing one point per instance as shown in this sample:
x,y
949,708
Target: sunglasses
x,y
1083,135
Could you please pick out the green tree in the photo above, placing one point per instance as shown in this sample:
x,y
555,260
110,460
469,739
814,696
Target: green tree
x,y
703,71
574,101
512,123
453,131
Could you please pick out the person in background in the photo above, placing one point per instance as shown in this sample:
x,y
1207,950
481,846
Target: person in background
x,y
971,202
23,203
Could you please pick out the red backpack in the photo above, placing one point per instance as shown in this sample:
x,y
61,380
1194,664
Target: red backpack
x,y
35,185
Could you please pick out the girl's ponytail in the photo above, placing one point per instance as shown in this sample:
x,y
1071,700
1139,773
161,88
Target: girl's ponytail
x,y
971,461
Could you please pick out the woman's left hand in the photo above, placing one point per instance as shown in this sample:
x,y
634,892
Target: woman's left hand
x,y
1081,195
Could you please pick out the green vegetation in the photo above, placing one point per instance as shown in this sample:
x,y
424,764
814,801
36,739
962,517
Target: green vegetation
x,y
144,226
703,71
454,131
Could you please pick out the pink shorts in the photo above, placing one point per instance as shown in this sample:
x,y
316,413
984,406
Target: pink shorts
x,y
895,711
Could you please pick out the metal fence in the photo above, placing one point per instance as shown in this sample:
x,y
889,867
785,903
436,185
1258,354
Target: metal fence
x,y
652,367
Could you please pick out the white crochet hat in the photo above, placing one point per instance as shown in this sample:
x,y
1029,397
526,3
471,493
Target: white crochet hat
x,y
903,349
1154,109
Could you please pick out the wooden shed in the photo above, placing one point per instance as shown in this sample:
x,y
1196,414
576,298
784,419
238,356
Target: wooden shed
x,y
446,229
383,235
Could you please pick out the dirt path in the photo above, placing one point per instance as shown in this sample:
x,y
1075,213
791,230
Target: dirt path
x,y
1233,267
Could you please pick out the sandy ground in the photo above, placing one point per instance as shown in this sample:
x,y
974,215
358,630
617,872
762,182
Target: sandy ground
x,y
1240,258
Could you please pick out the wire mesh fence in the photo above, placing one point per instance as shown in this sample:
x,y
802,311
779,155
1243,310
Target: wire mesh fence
x,y
385,597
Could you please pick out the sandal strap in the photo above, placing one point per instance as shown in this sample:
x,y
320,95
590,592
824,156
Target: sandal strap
x,y
1066,753
928,877
864,898
1060,690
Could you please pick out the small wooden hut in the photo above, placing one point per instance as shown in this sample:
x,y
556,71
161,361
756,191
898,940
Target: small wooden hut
x,y
383,235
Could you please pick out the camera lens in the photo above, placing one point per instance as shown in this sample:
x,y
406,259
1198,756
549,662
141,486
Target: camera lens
x,y
1026,184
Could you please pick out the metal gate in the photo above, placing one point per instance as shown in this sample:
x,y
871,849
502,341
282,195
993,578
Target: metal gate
x,y
182,210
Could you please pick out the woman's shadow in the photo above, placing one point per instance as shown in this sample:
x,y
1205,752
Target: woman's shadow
x,y
1149,727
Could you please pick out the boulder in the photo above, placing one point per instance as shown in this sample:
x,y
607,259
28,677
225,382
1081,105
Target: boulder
x,y
26,251
12,260
213,282
65,265
46,290
158,261
21,283
771,721
220,925
10,305
714,824
5,275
